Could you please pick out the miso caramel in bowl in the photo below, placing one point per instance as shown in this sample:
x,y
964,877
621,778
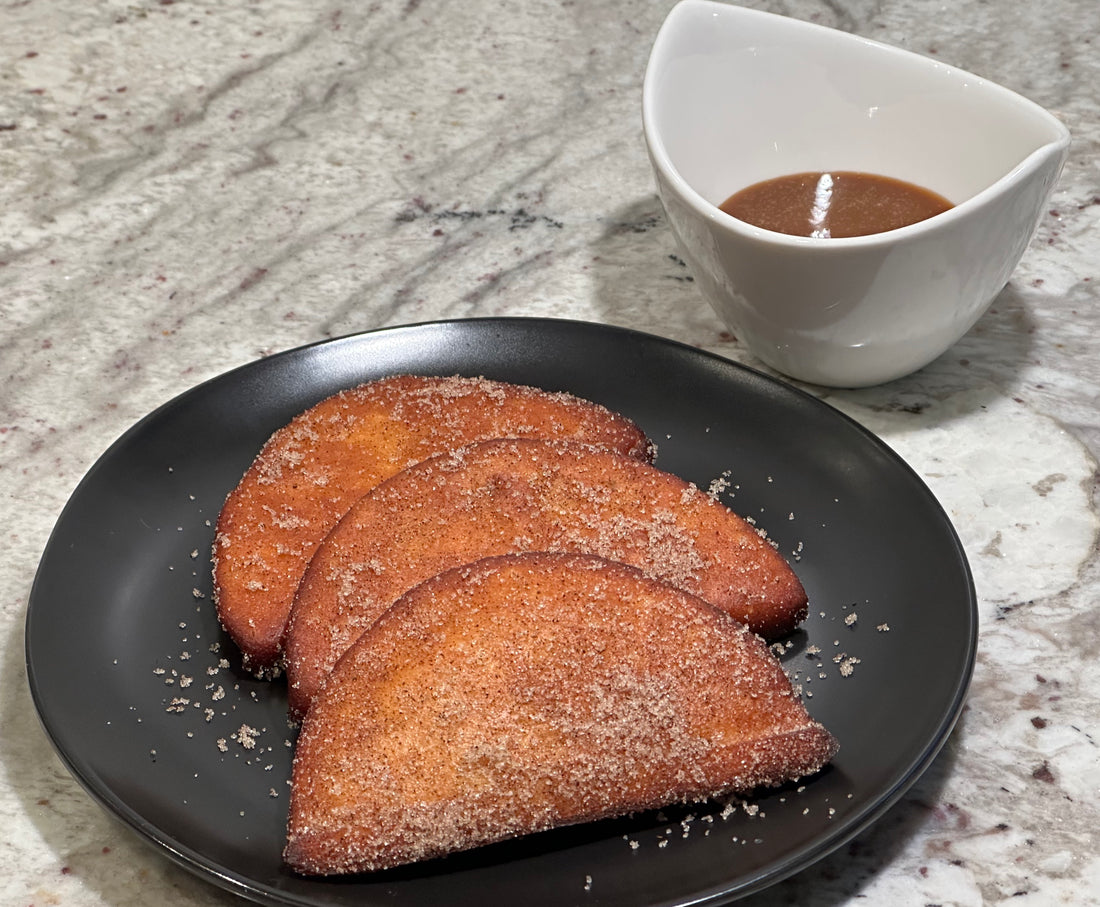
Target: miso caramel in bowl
x,y
833,205
734,98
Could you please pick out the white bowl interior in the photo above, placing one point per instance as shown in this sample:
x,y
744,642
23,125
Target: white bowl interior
x,y
734,96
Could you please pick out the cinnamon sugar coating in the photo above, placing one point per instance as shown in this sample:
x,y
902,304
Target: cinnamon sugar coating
x,y
510,496
312,470
530,691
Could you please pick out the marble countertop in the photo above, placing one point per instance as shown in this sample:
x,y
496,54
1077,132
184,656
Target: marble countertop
x,y
187,187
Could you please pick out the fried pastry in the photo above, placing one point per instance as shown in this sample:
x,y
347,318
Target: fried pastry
x,y
312,470
531,691
510,496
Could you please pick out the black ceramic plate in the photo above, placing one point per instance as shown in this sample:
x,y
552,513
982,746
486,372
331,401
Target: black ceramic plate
x,y
145,701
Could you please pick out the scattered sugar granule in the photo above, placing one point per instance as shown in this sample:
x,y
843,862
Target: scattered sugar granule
x,y
272,793
198,593
222,745
246,736
185,681
883,628
717,486
850,619
685,825
848,666
588,883
195,553
634,845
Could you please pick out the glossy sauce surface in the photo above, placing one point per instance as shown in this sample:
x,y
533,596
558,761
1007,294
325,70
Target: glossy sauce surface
x,y
834,205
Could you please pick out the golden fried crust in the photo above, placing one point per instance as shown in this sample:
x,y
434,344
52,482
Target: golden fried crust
x,y
312,470
530,691
509,496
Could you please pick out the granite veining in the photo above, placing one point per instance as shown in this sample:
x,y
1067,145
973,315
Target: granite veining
x,y
186,187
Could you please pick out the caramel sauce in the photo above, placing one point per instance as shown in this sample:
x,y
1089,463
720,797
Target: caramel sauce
x,y
834,205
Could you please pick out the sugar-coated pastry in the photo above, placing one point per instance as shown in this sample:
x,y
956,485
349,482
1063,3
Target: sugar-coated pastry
x,y
312,470
525,692
509,496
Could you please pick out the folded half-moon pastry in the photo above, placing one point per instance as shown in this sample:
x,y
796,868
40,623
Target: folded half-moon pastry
x,y
524,692
312,470
510,496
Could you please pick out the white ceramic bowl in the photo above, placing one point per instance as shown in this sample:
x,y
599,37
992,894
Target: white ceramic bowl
x,y
734,96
